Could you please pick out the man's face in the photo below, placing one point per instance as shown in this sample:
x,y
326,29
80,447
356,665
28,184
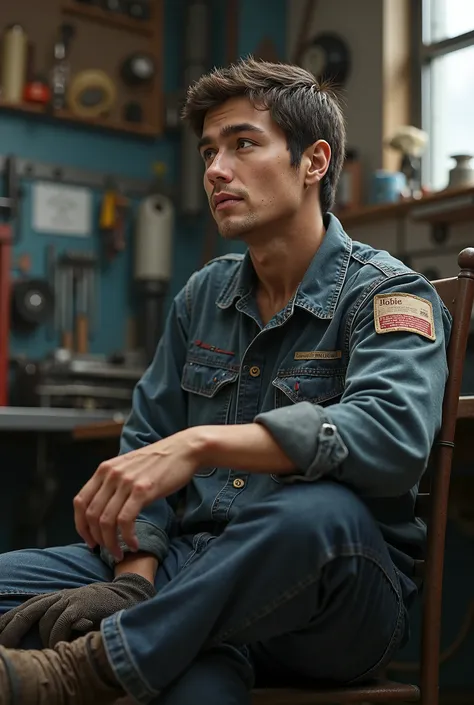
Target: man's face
x,y
248,178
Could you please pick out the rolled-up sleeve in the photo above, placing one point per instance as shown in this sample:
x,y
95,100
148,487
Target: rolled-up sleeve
x,y
307,436
158,410
377,438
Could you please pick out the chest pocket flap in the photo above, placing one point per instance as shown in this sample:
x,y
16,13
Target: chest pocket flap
x,y
206,380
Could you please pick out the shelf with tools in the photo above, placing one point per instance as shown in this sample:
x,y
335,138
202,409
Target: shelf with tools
x,y
111,64
108,18
67,116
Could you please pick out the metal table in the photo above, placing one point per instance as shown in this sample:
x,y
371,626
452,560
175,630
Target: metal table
x,y
39,420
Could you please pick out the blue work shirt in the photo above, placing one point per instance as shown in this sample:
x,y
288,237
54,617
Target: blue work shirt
x,y
344,396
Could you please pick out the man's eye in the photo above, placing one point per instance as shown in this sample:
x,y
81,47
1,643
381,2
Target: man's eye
x,y
244,143
207,154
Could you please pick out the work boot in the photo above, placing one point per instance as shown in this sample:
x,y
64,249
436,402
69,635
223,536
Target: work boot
x,y
75,673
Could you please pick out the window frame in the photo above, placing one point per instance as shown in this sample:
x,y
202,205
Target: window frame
x,y
424,52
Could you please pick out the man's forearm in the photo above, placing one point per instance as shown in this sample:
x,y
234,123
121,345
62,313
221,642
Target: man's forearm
x,y
247,447
141,563
243,446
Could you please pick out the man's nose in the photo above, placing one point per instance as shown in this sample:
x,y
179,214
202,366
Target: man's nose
x,y
219,169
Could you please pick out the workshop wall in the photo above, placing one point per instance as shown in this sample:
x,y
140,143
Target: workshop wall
x,y
127,156
362,94
60,144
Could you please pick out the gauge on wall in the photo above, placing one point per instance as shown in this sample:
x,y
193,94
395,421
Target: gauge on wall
x,y
327,56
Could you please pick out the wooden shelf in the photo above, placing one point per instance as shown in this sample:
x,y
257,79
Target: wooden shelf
x,y
103,40
108,19
142,130
33,108
448,206
106,123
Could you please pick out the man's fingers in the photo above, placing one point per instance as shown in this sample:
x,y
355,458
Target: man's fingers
x,y
138,499
81,503
96,508
109,521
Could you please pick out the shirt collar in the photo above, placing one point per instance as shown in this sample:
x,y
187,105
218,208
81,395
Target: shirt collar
x,y
321,286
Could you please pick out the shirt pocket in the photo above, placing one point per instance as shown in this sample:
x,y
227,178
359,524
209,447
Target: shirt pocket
x,y
319,385
210,390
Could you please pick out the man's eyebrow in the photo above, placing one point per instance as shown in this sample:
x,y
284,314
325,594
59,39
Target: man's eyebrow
x,y
228,130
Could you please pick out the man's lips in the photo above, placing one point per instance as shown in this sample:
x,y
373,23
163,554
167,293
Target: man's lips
x,y
228,203
225,200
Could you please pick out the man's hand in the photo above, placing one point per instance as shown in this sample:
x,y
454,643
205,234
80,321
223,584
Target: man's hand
x,y
121,487
60,614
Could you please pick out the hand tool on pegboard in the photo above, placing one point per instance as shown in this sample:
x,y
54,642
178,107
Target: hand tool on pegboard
x,y
112,221
78,272
9,209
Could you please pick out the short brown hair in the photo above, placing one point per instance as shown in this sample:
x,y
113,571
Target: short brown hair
x,y
304,109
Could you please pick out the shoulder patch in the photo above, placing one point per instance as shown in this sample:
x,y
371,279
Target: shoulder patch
x,y
404,312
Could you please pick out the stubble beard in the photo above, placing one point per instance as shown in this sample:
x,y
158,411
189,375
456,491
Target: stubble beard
x,y
230,230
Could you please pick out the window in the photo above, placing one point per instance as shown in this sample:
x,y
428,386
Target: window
x,y
447,84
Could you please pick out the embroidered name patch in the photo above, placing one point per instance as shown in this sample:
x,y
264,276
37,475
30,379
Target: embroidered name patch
x,y
319,355
404,312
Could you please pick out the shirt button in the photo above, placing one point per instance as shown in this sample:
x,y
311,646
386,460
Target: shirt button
x,y
255,371
238,483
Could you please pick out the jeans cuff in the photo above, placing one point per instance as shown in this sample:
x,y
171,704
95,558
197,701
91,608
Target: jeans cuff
x,y
122,662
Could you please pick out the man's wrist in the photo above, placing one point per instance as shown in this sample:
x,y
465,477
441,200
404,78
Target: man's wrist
x,y
202,442
141,563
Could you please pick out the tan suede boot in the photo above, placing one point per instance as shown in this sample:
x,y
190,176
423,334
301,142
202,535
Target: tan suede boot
x,y
76,673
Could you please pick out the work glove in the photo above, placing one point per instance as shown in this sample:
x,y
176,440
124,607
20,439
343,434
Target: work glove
x,y
80,610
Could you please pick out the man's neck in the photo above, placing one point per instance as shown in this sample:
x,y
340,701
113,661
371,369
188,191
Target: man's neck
x,y
280,262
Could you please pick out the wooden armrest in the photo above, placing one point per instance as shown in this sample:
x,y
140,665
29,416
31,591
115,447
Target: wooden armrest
x,y
466,408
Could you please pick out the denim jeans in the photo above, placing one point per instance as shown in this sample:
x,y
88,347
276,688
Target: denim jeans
x,y
298,584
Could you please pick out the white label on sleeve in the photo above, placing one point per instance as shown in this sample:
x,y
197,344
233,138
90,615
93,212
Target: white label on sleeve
x,y
404,312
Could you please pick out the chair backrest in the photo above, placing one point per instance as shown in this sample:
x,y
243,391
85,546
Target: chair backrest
x,y
457,294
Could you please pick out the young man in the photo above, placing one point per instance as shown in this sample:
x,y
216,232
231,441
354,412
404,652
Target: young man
x,y
290,410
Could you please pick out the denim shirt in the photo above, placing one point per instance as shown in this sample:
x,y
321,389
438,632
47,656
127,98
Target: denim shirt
x,y
343,401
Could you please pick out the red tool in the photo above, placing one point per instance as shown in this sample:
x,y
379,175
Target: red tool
x,y
8,214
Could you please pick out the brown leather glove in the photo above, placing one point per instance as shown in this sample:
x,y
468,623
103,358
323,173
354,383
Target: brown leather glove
x,y
60,614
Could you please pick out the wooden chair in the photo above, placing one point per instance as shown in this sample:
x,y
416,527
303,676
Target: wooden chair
x,y
458,296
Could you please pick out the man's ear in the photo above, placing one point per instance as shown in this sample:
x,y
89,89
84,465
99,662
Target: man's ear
x,y
318,156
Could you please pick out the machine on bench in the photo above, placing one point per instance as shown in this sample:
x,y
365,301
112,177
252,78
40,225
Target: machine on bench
x,y
70,380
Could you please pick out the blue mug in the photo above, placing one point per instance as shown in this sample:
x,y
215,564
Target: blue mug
x,y
387,186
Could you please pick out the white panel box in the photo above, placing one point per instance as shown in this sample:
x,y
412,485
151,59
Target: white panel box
x,y
62,210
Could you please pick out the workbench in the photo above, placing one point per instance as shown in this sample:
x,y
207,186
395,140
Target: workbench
x,y
42,420
48,425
